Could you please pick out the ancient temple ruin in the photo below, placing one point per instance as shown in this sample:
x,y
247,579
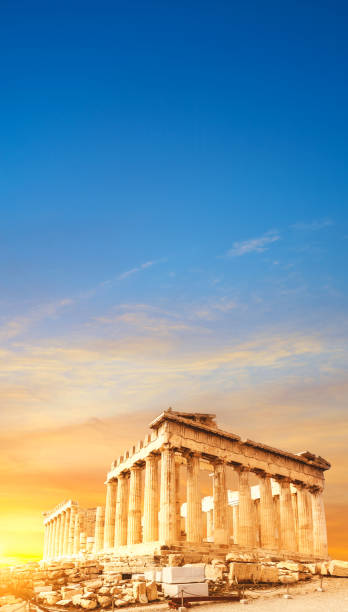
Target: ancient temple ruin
x,y
157,496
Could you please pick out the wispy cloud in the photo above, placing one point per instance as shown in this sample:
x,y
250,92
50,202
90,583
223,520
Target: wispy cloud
x,y
18,325
313,226
253,245
143,266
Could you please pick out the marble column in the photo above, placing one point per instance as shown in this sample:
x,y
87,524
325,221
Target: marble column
x,y
235,515
71,531
220,503
167,528
99,529
134,510
178,501
287,519
194,504
66,532
294,509
121,511
267,513
305,523
77,534
110,506
151,495
210,525
83,541
54,535
62,533
246,527
319,524
58,528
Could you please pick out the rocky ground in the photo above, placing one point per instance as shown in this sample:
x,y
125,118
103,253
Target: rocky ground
x,y
89,584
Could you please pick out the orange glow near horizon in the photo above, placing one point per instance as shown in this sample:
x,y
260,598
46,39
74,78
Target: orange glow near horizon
x,y
71,462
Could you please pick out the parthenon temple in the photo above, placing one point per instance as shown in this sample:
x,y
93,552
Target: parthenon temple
x,y
192,486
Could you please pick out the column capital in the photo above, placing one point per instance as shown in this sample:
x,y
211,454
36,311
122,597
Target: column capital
x,y
152,458
315,489
282,479
299,484
242,468
135,468
188,454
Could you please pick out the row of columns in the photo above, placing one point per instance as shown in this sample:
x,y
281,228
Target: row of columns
x,y
123,509
61,533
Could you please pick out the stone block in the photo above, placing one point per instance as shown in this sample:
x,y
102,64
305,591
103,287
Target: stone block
x,y
70,591
244,572
151,591
93,584
338,568
241,557
187,588
139,592
76,599
104,590
175,560
186,573
158,575
214,572
269,573
64,603
287,579
88,604
52,598
104,601
292,566
150,575
42,588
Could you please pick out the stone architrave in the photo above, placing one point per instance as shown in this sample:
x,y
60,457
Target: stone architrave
x,y
110,506
151,495
220,503
246,528
121,511
194,504
305,522
167,528
134,511
99,528
320,548
267,513
287,520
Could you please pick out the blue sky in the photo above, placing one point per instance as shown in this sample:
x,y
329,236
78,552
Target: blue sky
x,y
174,225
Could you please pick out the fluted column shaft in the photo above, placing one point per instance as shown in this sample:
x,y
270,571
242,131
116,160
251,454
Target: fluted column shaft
x,y
167,530
110,507
235,515
305,523
45,541
53,541
99,528
194,504
220,503
246,527
66,532
178,501
210,525
70,550
77,534
62,533
134,511
121,511
287,519
59,522
319,524
267,514
151,495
